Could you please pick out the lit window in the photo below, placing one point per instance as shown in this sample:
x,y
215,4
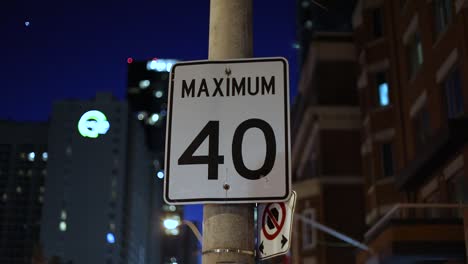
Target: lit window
x,y
309,233
63,226
382,86
144,84
415,54
4,197
153,119
172,208
308,24
45,156
110,238
112,226
442,14
383,94
160,174
42,189
29,173
305,4
19,189
63,215
141,115
158,94
40,199
31,156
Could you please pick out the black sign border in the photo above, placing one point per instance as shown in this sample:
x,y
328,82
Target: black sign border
x,y
286,126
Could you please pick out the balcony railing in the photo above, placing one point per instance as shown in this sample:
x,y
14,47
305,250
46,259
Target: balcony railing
x,y
415,212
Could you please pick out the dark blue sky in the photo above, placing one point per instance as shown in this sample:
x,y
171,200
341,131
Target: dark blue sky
x,y
71,49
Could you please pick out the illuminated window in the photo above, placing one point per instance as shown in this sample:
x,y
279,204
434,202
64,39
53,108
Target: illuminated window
x,y
110,238
4,197
63,226
144,84
158,94
415,54
382,86
160,174
153,119
19,189
45,156
31,156
63,215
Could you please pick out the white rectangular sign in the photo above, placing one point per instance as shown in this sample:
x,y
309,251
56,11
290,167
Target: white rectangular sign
x,y
227,138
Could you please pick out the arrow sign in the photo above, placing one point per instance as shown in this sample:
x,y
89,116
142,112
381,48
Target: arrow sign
x,y
283,241
261,247
275,221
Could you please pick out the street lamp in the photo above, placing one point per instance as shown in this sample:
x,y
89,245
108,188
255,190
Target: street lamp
x,y
172,223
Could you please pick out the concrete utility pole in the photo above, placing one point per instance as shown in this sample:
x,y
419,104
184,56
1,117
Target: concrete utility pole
x,y
228,230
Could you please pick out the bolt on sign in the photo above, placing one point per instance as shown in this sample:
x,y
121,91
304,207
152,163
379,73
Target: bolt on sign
x,y
275,224
227,138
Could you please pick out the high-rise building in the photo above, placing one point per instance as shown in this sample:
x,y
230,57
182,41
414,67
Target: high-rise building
x,y
413,92
147,85
147,89
23,160
100,190
326,164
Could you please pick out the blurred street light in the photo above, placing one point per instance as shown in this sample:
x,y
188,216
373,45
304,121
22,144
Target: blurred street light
x,y
172,222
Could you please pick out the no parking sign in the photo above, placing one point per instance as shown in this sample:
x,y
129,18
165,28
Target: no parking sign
x,y
275,225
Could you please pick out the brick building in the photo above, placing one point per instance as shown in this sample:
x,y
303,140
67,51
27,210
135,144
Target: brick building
x,y
326,164
413,91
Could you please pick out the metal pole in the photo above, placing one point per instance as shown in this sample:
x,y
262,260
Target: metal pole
x,y
228,230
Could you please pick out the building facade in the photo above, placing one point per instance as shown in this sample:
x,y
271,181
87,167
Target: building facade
x,y
326,164
23,162
99,191
413,91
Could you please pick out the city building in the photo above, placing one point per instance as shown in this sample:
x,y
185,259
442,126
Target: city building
x,y
326,164
147,87
413,91
23,161
319,16
100,191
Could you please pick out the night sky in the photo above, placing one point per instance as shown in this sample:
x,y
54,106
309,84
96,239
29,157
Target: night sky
x,y
53,50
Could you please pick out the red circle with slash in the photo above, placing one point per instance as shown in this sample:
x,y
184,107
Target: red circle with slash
x,y
273,220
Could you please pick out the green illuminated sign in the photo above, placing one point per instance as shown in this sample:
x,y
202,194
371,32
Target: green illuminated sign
x,y
92,124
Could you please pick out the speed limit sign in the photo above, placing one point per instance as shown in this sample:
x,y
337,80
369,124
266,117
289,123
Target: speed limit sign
x,y
227,138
